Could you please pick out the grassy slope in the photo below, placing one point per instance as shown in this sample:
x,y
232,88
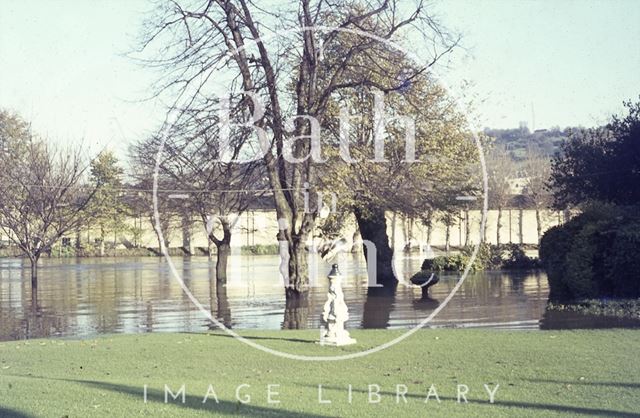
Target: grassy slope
x,y
540,374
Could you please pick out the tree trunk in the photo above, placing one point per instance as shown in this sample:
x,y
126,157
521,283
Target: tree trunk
x,y
499,225
521,226
222,260
483,238
412,223
102,238
447,237
405,233
510,228
356,236
293,257
429,225
296,311
223,247
157,232
160,245
538,224
186,235
373,228
297,267
34,281
219,303
460,230
34,275
467,232
210,245
393,231
78,239
293,226
135,232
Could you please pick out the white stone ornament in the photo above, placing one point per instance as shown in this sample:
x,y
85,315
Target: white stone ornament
x,y
335,313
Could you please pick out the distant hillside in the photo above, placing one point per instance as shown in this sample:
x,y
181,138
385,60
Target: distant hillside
x,y
516,140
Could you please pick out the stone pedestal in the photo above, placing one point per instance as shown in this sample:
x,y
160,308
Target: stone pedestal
x,y
335,313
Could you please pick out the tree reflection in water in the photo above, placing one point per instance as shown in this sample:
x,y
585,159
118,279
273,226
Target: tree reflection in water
x,y
378,305
85,297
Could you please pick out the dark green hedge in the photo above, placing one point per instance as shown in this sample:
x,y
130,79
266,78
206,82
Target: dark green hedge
x,y
489,257
594,255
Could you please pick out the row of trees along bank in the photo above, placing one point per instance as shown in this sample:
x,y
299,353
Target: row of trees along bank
x,y
60,192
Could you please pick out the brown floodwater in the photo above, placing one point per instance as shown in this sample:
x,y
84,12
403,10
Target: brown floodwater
x,y
84,297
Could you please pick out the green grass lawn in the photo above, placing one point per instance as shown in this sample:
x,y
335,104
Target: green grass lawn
x,y
593,373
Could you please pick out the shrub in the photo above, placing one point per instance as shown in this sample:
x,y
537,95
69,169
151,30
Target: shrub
x,y
514,257
63,251
554,245
489,257
623,264
455,262
260,249
594,255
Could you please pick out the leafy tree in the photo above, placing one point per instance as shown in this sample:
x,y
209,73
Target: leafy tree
x,y
600,164
595,254
517,141
443,155
218,191
108,206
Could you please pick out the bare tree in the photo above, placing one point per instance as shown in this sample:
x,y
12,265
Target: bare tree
x,y
537,168
223,190
211,186
142,164
501,169
42,197
521,201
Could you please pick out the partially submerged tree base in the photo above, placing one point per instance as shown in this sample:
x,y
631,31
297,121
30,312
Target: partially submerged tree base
x,y
296,311
373,229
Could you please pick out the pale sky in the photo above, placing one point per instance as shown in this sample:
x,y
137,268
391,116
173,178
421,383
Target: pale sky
x,y
62,64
